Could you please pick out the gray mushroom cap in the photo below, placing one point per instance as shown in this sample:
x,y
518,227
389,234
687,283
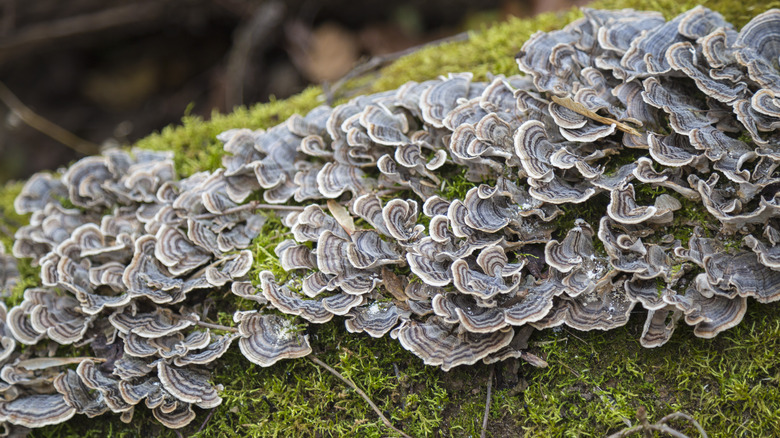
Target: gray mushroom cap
x,y
161,322
38,191
189,385
265,339
376,319
435,343
36,410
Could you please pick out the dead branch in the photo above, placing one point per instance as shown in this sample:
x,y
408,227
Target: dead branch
x,y
45,126
362,394
487,401
660,426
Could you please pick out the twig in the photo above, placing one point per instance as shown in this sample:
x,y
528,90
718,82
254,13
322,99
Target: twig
x,y
487,402
660,426
137,13
583,111
376,409
209,325
253,205
215,326
379,61
45,126
686,417
251,39
208,417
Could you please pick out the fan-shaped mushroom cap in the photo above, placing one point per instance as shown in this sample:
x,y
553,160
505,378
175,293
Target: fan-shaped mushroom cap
x,y
210,353
84,181
146,276
711,315
336,178
161,322
313,123
312,222
423,263
597,310
294,256
368,250
7,341
467,113
384,127
18,323
440,98
77,395
229,268
622,207
556,191
401,219
758,48
375,319
282,298
570,253
659,327
369,207
744,274
38,191
149,388
265,339
107,386
36,410
768,255
129,367
466,310
682,56
647,292
486,284
245,289
533,301
435,343
174,250
57,316
189,385
178,417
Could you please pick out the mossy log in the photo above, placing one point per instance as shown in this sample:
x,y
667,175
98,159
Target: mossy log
x,y
595,381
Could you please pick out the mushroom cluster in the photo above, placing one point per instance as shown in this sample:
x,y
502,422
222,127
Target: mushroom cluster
x,y
622,114
121,247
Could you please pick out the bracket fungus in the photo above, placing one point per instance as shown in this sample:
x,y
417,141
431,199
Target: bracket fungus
x,y
644,119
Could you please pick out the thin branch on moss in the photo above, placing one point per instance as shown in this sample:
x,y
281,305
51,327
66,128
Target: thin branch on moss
x,y
45,126
212,326
661,426
349,382
487,402
253,205
208,417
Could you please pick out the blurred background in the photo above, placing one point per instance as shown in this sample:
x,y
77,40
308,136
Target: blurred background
x,y
113,72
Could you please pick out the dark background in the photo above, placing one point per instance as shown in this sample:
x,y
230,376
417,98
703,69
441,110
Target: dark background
x,y
113,72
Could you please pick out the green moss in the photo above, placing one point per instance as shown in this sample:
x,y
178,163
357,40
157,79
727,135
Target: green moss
x,y
595,380
10,220
194,141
